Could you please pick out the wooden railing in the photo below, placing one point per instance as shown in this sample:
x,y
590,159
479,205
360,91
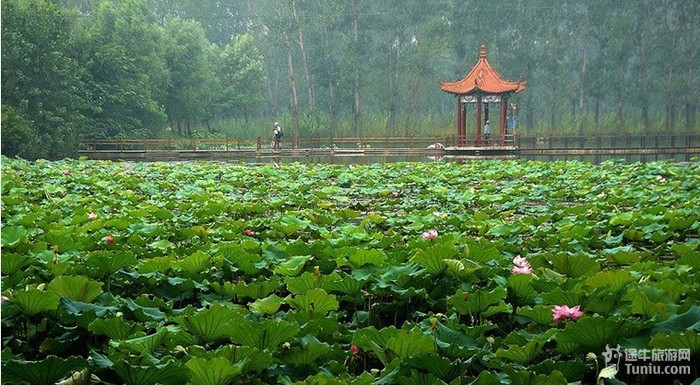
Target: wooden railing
x,y
608,142
411,142
227,144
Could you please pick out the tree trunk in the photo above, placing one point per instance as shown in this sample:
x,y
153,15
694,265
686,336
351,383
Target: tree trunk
x,y
356,111
581,89
292,84
393,82
309,83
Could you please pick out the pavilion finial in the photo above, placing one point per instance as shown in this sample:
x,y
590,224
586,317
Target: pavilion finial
x,y
483,52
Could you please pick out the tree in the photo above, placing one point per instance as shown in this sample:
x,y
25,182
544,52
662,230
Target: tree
x,y
191,91
242,77
43,91
128,74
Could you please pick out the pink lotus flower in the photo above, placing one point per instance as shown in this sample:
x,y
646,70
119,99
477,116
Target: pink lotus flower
x,y
92,216
560,313
522,270
3,298
66,171
430,234
109,239
354,350
521,261
249,232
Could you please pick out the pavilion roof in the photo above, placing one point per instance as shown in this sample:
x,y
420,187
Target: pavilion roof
x,y
484,79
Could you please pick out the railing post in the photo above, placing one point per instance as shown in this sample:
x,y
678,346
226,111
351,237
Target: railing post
x,y
259,144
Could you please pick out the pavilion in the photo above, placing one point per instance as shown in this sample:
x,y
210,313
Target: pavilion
x,y
482,86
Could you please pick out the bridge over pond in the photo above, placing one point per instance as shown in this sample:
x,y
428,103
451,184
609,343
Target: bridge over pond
x,y
649,147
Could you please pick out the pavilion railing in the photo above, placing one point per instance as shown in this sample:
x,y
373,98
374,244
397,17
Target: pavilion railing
x,y
608,142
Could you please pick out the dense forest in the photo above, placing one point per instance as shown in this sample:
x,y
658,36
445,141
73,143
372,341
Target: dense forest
x,y
74,69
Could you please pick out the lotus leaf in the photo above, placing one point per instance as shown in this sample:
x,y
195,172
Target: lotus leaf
x,y
45,372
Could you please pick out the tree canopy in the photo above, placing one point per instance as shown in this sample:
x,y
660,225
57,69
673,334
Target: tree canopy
x,y
75,69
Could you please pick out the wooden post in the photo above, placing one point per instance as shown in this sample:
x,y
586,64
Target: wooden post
x,y
259,144
478,121
502,120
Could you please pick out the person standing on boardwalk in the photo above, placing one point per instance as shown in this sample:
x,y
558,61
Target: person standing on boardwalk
x,y
487,132
277,136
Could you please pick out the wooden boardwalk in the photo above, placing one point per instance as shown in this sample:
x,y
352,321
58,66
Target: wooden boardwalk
x,y
403,147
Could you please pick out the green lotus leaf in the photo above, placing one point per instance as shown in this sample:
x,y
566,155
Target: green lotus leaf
x,y
624,255
691,259
267,305
224,289
572,370
194,264
592,333
521,286
146,344
162,245
144,313
410,343
624,219
76,287
11,264
489,378
504,230
522,355
256,289
375,340
431,363
315,301
157,264
684,249
164,374
642,304
413,377
212,324
346,284
79,308
310,351
690,320
103,263
477,301
558,296
115,328
292,266
64,241
302,283
688,339
361,257
268,334
574,266
32,302
532,378
45,372
610,280
12,235
541,314
215,371
252,359
433,258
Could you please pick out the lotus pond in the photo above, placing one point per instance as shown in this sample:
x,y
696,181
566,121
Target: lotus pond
x,y
488,272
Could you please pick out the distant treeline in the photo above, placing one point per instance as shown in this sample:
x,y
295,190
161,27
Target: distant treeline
x,y
75,69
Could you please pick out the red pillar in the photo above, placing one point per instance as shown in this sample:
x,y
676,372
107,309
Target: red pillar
x,y
478,120
502,120
460,122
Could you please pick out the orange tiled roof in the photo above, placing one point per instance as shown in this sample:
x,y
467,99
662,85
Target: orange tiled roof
x,y
482,78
